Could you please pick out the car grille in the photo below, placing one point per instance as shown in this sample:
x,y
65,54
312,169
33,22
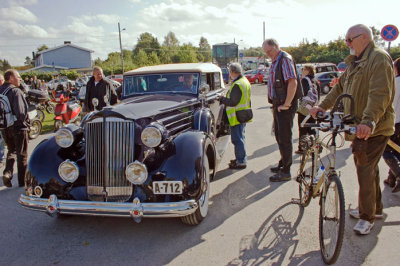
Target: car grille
x,y
109,149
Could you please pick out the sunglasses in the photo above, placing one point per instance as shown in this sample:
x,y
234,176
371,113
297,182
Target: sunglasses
x,y
350,40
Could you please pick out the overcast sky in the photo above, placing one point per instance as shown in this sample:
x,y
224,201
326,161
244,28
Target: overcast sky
x,y
27,24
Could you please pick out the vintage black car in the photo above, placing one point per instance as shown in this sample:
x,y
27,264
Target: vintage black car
x,y
152,155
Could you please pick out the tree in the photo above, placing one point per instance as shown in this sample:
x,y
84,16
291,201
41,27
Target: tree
x,y
170,40
28,61
148,43
187,54
153,59
42,48
204,50
376,35
4,65
141,58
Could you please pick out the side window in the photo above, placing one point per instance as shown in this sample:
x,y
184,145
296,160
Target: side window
x,y
203,79
210,81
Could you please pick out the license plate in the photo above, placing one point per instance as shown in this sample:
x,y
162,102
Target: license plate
x,y
167,187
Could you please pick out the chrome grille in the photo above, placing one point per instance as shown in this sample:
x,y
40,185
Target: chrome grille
x,y
109,149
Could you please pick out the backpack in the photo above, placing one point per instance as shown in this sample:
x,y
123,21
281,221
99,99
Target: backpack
x,y
310,100
7,118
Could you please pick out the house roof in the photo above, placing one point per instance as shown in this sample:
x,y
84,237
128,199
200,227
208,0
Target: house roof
x,y
43,66
185,67
64,45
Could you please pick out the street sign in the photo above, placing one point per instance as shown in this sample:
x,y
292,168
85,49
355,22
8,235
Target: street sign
x,y
241,55
389,33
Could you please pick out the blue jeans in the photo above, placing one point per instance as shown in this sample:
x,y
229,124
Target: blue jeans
x,y
238,141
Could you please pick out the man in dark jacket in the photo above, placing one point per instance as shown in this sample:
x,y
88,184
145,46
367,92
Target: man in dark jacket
x,y
283,90
99,88
16,136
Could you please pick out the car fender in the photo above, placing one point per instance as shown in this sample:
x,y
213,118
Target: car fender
x,y
186,163
203,120
41,172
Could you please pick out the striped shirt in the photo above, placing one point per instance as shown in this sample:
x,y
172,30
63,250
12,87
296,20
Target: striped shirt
x,y
288,72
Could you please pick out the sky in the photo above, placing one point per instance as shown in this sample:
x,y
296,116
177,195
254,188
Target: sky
x,y
27,24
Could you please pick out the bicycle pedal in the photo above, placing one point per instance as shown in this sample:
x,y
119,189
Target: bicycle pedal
x,y
295,201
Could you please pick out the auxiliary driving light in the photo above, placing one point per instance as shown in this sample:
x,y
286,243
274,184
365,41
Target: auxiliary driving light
x,y
68,171
136,173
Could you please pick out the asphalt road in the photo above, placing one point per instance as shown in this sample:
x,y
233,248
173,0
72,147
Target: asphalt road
x,y
250,222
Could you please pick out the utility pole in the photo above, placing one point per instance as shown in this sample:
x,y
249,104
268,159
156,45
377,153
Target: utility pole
x,y
120,46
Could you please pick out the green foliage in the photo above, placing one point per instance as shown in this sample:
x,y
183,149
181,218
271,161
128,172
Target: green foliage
x,y
187,54
70,74
204,54
148,43
253,51
395,52
4,65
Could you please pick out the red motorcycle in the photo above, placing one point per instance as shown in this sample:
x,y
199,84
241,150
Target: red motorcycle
x,y
66,111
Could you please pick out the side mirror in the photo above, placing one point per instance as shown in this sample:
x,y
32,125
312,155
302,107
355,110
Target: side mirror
x,y
204,88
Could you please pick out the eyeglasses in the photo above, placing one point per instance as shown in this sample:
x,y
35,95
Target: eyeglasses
x,y
350,40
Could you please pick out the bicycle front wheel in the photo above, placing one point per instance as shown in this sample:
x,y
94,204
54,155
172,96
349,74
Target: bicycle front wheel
x,y
305,178
331,220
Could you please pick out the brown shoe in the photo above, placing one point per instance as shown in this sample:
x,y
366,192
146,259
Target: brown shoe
x,y
396,187
390,180
236,165
7,181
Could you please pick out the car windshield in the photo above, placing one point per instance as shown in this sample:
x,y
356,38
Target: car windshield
x,y
161,83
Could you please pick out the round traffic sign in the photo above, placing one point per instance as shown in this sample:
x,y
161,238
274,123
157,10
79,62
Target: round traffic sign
x,y
389,33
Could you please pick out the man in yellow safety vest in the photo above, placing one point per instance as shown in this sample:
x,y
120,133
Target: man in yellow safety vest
x,y
238,110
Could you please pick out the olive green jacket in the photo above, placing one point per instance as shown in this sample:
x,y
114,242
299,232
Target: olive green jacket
x,y
371,83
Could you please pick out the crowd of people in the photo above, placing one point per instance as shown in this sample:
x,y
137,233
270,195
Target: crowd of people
x,y
371,78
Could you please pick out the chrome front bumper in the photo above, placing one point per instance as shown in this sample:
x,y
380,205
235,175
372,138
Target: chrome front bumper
x,y
135,209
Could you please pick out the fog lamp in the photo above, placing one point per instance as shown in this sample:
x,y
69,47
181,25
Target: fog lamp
x,y
68,171
136,173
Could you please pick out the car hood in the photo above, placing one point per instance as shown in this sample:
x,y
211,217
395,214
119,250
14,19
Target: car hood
x,y
151,105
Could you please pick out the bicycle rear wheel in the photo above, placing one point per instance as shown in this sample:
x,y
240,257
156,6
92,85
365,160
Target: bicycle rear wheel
x,y
331,220
305,178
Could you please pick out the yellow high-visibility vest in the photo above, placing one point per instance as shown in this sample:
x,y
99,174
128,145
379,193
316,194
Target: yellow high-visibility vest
x,y
244,103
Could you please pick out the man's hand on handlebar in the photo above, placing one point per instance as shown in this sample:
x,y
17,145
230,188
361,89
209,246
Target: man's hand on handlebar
x,y
315,110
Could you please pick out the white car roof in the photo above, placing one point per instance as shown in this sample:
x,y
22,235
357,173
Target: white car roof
x,y
185,67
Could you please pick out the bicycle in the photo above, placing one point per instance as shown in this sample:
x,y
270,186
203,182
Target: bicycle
x,y
329,187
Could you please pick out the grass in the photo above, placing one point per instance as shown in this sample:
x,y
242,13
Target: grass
x,y
48,123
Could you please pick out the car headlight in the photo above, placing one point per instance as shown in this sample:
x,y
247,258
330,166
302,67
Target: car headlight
x,y
64,138
68,171
136,173
152,135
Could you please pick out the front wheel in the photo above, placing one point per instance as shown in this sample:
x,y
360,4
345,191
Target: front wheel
x,y
202,209
57,125
305,178
35,129
50,108
331,220
40,115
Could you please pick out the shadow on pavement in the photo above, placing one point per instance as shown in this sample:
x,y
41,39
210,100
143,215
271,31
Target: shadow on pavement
x,y
276,239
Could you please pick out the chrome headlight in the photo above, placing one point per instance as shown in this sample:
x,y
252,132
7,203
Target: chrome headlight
x,y
136,173
68,171
152,135
64,138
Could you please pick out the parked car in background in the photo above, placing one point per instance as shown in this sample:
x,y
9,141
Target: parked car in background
x,y
225,74
117,78
256,75
342,66
325,67
52,84
152,155
265,78
325,79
